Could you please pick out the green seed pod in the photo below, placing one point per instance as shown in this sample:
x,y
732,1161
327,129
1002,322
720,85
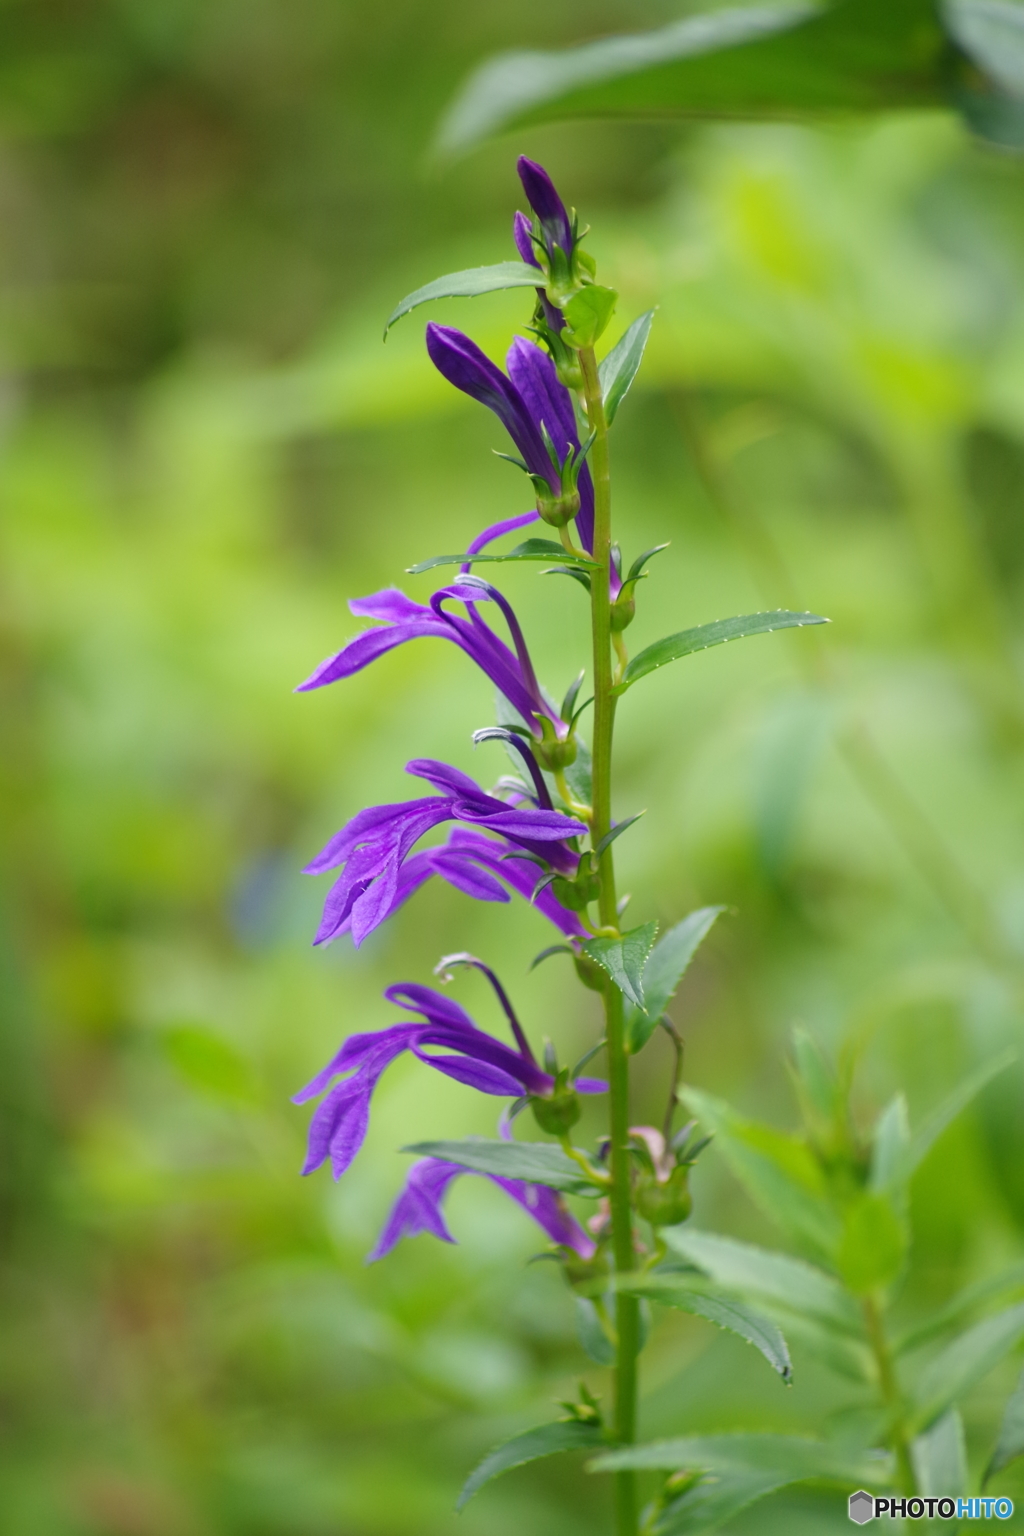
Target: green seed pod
x,y
664,1204
557,1112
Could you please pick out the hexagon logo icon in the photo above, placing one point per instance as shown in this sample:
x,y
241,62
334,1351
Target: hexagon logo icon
x,y
862,1507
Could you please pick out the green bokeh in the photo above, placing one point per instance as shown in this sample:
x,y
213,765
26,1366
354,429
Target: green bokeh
x,y
208,212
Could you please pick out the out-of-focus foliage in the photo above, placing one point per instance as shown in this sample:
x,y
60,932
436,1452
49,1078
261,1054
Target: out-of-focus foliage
x,y
209,212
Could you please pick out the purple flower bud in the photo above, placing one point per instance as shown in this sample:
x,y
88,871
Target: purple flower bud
x,y
530,403
522,234
547,205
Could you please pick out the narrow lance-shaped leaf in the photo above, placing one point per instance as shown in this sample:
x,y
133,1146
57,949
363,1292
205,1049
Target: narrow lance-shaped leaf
x,y
537,1162
468,285
624,959
724,1311
530,549
701,638
740,1470
940,1458
925,1138
618,370
761,1276
546,1440
1010,1444
965,1361
778,1171
665,968
968,1300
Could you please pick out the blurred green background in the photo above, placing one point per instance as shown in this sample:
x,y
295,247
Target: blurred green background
x,y
207,212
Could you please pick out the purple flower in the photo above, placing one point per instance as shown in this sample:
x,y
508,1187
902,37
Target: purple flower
x,y
475,865
375,844
511,671
556,225
528,400
338,1127
418,1208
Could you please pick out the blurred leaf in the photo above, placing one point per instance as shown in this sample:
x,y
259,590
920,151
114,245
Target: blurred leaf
x,y
530,549
537,1162
740,1469
762,1275
688,641
925,1138
723,1311
890,1151
624,959
468,285
209,1063
619,368
779,1172
590,1331
1010,1444
873,1245
546,1440
967,1301
665,968
991,32
816,1083
765,62
965,1361
940,1458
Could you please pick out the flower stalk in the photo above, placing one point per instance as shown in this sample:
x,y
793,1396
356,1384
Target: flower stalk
x,y
627,1311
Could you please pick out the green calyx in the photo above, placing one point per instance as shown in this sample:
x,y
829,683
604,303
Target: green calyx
x,y
553,752
590,973
664,1203
585,887
556,511
558,1111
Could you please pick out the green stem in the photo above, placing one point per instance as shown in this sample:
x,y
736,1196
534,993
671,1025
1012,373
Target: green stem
x,y
891,1394
627,1315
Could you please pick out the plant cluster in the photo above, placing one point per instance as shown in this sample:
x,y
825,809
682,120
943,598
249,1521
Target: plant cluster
x,y
546,833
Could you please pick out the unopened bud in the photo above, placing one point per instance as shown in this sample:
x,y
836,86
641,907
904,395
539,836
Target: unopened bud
x,y
559,510
664,1204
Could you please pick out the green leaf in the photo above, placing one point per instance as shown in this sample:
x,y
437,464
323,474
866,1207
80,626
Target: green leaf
x,y
764,1276
768,61
891,1148
546,1440
778,1171
968,1300
688,641
590,1331
618,370
991,33
531,549
663,972
940,1458
739,1470
468,285
873,1245
724,1311
988,87
965,1361
944,1115
624,959
538,1162
588,313
1010,1444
